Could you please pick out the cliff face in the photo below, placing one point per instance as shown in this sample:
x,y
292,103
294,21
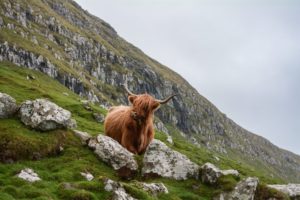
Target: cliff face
x,y
85,54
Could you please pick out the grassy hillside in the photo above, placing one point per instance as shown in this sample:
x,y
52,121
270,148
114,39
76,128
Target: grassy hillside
x,y
91,59
59,168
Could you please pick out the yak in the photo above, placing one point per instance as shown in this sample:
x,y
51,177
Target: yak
x,y
132,126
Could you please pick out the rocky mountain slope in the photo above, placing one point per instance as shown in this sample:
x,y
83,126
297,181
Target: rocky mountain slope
x,y
85,54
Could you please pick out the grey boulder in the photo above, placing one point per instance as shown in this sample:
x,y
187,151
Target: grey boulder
x,y
292,190
8,106
210,173
244,190
111,152
160,160
44,115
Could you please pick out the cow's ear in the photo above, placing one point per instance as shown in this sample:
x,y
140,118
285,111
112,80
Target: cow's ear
x,y
156,105
131,98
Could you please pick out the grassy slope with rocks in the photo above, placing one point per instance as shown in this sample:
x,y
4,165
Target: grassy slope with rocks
x,y
70,38
251,154
57,169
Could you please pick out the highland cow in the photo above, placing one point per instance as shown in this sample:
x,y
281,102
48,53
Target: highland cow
x,y
132,126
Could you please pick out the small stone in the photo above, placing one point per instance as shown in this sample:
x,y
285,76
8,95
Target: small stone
x,y
158,125
155,188
10,26
87,106
34,40
61,148
99,117
119,193
28,175
83,136
169,139
87,175
30,77
210,173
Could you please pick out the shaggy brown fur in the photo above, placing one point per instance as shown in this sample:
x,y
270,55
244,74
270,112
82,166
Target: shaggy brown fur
x,y
132,126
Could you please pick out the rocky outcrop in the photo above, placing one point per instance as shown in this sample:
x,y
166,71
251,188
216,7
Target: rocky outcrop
x,y
111,152
44,115
244,190
210,173
29,175
117,189
292,190
8,106
28,59
83,136
160,160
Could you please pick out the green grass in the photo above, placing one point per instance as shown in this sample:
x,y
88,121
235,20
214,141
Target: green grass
x,y
55,169
60,171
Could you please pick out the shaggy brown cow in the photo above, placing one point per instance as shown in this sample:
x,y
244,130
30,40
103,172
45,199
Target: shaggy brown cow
x,y
132,126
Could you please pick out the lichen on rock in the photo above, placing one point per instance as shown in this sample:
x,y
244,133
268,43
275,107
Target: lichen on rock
x,y
111,152
160,160
41,114
8,106
210,173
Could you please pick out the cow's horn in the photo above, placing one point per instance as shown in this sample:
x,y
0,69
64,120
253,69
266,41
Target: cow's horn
x,y
167,99
127,90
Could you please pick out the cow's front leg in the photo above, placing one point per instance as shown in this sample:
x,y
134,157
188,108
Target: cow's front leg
x,y
128,143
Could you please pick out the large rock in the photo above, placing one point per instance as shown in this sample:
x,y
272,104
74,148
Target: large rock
x,y
44,115
244,190
29,175
111,152
117,189
292,190
210,173
160,160
8,106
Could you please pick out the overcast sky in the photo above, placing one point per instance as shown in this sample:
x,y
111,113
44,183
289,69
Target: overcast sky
x,y
244,57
